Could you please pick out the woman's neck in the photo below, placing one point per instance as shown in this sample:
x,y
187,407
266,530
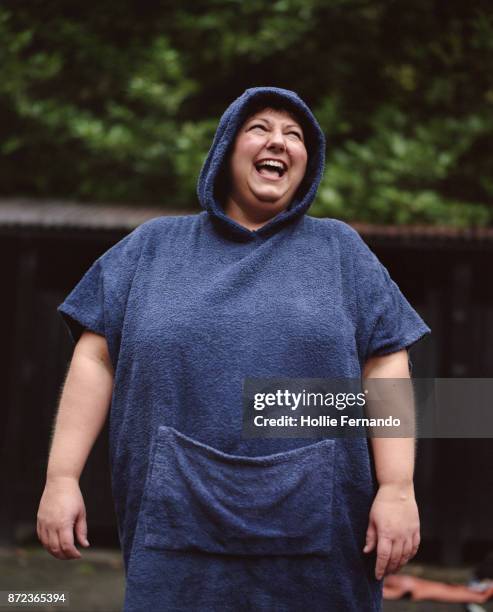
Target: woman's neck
x,y
252,220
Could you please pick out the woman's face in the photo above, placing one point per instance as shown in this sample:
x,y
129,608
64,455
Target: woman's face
x,y
267,165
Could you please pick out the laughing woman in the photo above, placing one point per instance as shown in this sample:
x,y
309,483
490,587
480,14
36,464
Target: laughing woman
x,y
169,322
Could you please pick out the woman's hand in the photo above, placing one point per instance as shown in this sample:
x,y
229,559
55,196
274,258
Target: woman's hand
x,y
61,510
393,528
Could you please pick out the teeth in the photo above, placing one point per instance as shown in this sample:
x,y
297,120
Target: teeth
x,y
273,163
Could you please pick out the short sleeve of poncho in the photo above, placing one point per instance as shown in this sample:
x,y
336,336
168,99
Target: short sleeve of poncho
x,y
385,320
98,302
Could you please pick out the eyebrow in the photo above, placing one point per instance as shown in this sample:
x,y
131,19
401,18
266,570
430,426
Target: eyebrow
x,y
269,122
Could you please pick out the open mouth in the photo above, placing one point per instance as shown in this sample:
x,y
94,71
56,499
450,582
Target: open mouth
x,y
271,168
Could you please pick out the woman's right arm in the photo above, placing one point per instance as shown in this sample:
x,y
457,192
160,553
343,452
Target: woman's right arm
x,y
82,411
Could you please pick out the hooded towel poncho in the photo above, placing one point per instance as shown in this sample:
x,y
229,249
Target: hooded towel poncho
x,y
191,306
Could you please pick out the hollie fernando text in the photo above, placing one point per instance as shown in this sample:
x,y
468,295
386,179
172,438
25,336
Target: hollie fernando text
x,y
325,421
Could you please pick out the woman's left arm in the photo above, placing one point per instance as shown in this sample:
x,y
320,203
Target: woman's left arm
x,y
393,526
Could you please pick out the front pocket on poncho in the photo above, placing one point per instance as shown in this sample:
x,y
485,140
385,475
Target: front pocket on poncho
x,y
198,498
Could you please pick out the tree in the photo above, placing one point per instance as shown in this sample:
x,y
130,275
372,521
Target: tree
x,y
119,101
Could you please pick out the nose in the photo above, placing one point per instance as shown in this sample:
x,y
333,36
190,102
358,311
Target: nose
x,y
276,141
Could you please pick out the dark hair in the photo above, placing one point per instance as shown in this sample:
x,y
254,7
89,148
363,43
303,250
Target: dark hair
x,y
277,104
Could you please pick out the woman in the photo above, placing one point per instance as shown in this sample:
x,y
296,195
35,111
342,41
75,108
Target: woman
x,y
168,324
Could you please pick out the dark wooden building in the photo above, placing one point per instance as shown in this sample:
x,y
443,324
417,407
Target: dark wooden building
x,y
47,246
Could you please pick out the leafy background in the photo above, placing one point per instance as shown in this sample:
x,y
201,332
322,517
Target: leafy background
x,y
118,101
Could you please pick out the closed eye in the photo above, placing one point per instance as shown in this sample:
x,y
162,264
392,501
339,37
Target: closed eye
x,y
297,134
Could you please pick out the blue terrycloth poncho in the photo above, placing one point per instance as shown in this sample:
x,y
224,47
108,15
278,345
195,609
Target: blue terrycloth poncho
x,y
191,306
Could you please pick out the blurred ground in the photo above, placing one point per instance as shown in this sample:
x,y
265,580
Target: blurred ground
x,y
95,582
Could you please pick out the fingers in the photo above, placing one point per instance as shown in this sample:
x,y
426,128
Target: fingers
x,y
66,540
54,545
371,538
43,535
81,530
58,542
407,552
395,557
39,531
61,510
410,548
384,550
416,542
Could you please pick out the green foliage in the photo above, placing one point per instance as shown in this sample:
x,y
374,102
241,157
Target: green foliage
x,y
399,174
120,102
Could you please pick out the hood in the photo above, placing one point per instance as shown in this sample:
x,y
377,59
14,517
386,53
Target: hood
x,y
215,165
